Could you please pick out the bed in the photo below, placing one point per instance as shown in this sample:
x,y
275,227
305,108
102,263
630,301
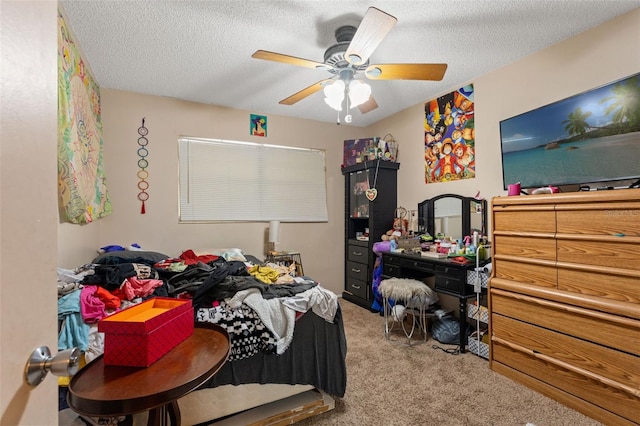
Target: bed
x,y
288,341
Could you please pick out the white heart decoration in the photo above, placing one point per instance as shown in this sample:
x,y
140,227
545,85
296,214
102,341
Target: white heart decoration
x,y
371,194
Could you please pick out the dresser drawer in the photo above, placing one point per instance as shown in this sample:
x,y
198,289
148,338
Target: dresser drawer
x,y
600,219
451,271
417,265
614,331
388,259
356,287
614,284
619,252
511,219
390,270
453,285
539,274
358,271
451,279
529,246
357,253
624,405
602,362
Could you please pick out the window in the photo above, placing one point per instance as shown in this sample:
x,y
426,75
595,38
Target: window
x,y
242,181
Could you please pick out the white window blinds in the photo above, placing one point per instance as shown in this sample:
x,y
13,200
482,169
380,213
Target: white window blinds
x,y
242,181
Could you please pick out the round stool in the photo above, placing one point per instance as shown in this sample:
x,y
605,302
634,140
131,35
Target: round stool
x,y
414,296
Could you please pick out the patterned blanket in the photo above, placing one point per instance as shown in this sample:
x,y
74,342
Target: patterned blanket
x,y
247,332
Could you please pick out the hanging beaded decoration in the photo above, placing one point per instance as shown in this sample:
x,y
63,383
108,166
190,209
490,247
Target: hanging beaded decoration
x,y
143,174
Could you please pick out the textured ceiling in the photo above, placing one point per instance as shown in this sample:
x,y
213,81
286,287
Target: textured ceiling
x,y
201,50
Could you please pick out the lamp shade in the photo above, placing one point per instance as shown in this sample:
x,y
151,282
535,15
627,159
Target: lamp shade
x,y
274,231
334,95
359,93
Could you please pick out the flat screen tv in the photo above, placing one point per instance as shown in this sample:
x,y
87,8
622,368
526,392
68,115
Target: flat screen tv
x,y
589,138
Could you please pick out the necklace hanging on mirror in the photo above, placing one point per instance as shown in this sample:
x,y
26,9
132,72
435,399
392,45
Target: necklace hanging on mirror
x,y
371,193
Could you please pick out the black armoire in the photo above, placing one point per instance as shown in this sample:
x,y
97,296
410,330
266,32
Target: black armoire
x,y
370,203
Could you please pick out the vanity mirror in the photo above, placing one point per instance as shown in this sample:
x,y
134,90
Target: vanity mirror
x,y
452,215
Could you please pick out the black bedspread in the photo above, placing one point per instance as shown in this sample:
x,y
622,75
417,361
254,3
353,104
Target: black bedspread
x,y
316,356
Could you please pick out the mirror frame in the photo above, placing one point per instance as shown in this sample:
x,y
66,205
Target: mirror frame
x,y
426,216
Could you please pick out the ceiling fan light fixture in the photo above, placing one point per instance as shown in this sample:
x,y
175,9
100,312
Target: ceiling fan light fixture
x,y
349,57
359,93
334,94
333,103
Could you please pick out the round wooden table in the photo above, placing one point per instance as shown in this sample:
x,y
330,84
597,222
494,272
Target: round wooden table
x,y
100,390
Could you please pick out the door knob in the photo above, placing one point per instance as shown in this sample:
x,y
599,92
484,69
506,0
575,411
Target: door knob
x,y
64,363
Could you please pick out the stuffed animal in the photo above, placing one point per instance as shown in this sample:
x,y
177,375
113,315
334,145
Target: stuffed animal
x,y
400,226
393,234
400,222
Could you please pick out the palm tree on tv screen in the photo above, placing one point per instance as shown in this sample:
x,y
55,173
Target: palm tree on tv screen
x,y
623,112
626,102
576,123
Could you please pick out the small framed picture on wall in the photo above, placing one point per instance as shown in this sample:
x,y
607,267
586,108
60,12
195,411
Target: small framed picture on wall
x,y
258,125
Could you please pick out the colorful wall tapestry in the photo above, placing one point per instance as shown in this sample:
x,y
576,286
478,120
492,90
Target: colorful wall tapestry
x,y
82,188
449,137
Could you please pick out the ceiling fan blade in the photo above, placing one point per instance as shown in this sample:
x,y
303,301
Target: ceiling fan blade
x,y
286,59
406,71
369,105
305,92
375,25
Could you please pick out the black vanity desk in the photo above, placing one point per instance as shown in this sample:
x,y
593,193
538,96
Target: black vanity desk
x,y
450,278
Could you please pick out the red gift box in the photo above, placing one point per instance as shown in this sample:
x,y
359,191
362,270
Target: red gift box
x,y
140,335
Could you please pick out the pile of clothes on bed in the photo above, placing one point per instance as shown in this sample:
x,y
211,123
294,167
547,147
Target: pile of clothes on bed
x,y
257,303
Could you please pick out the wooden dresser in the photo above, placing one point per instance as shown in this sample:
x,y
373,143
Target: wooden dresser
x,y
564,299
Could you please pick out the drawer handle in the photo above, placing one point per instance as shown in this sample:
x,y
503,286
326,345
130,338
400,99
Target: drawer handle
x,y
355,270
357,253
357,287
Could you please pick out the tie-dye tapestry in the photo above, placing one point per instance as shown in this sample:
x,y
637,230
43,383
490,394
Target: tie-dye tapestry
x,y
449,137
82,188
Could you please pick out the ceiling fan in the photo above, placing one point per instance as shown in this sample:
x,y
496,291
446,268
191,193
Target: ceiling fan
x,y
349,58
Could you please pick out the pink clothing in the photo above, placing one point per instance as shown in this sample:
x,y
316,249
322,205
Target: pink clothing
x,y
91,307
134,287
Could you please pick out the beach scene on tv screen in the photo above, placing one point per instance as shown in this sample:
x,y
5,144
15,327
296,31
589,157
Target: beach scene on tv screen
x,y
590,137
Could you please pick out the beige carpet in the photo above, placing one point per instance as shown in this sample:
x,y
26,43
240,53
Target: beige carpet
x,y
391,384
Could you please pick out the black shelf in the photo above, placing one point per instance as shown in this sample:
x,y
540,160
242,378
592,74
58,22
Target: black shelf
x,y
363,214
